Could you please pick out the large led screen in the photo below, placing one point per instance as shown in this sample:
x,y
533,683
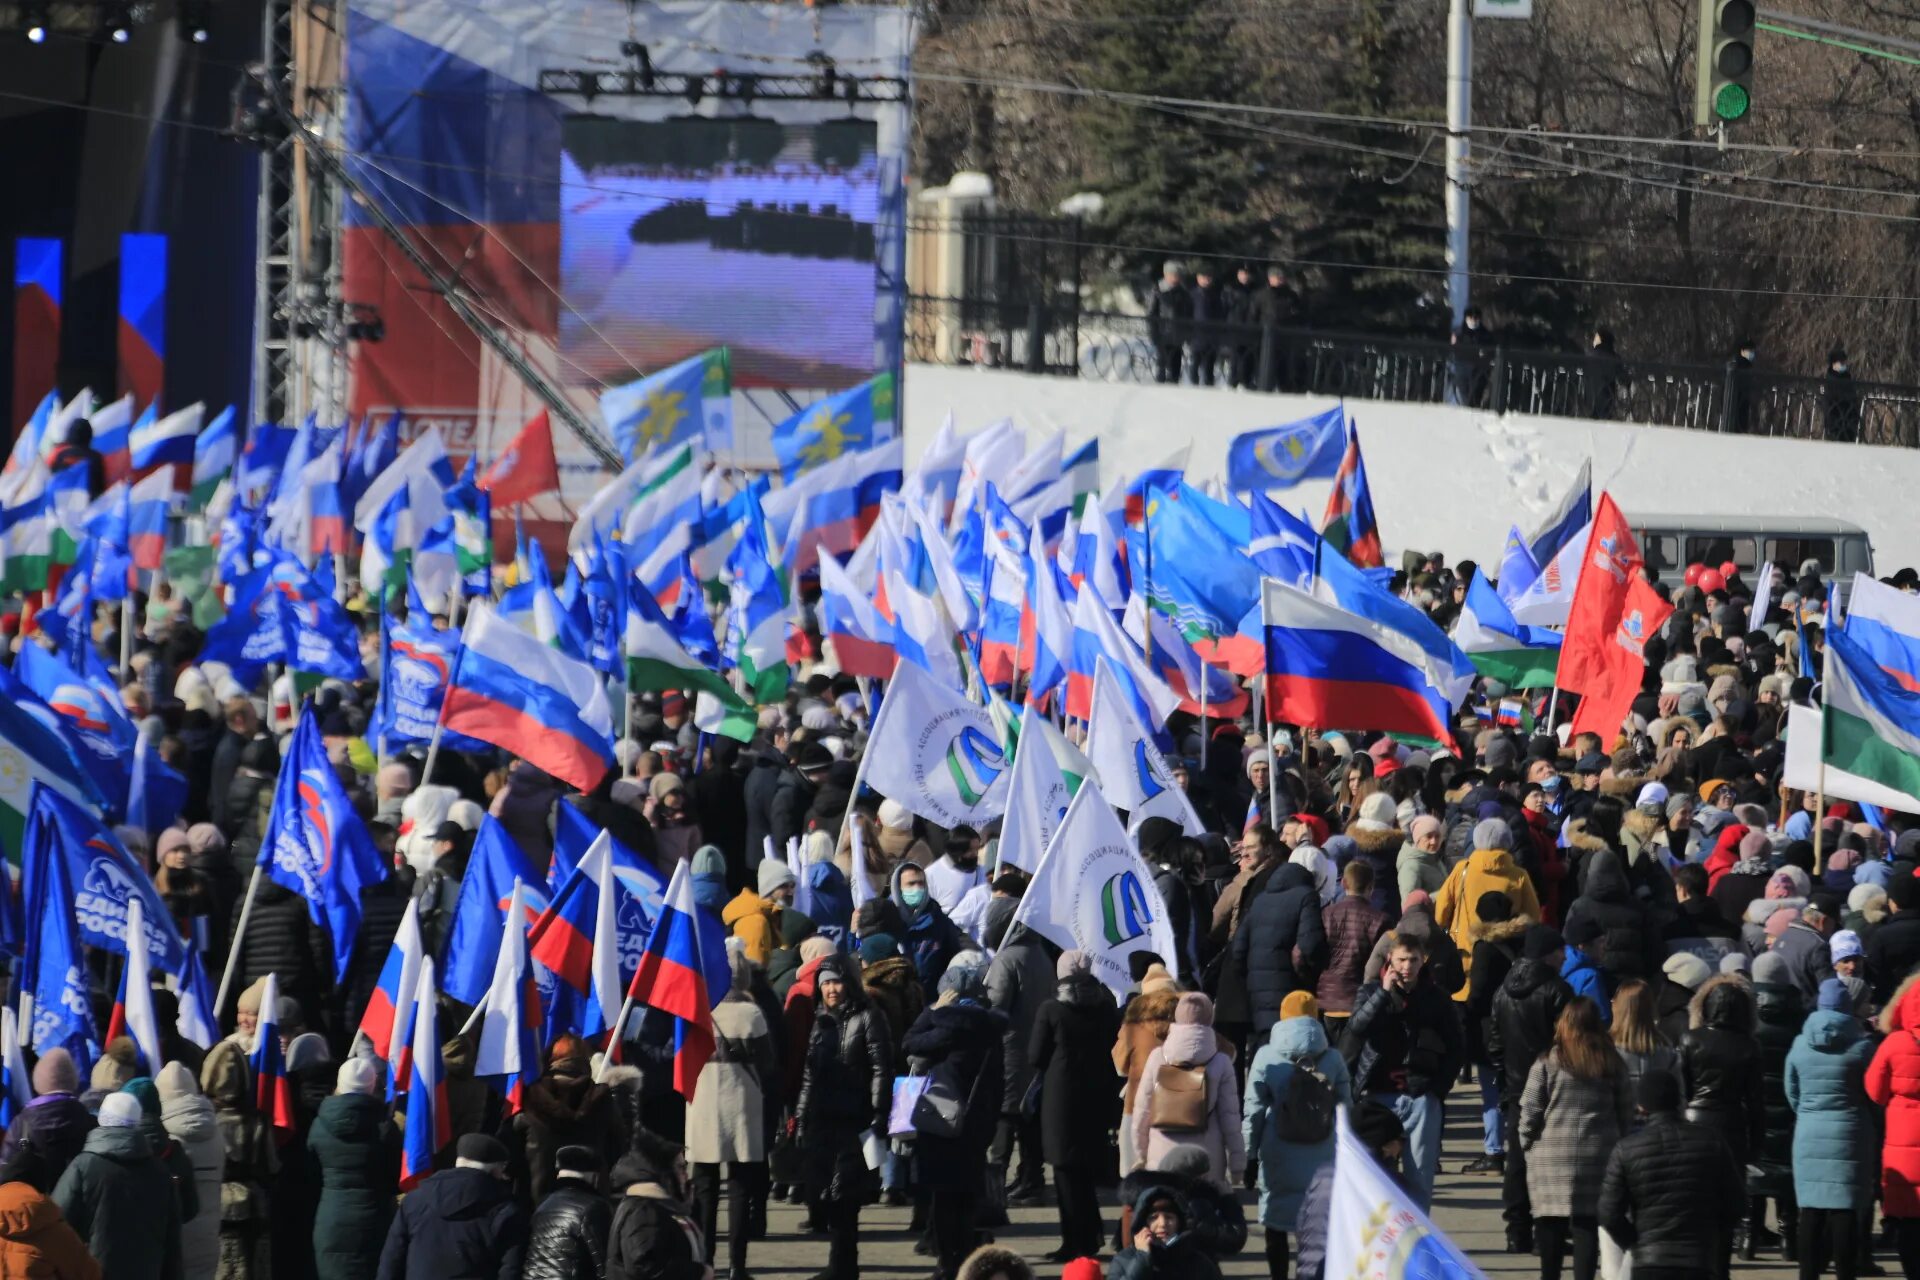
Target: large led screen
x,y
680,235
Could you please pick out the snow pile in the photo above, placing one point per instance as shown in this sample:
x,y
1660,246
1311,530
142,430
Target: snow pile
x,y
1448,479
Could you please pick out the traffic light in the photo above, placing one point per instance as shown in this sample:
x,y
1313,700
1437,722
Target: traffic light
x,y
1723,85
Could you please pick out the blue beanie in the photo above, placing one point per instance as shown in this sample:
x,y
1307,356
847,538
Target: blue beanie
x,y
876,947
1834,995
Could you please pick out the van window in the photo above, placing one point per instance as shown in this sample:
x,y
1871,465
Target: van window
x,y
1662,551
1790,553
1717,550
1853,557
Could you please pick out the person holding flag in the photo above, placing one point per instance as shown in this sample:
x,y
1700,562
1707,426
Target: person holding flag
x,y
846,1085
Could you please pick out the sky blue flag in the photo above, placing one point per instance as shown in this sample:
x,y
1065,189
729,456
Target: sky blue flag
x,y
319,636
480,915
156,792
1518,569
53,970
689,621
263,456
373,451
316,844
665,409
249,637
1574,513
239,533
1281,545
91,717
33,728
1281,457
102,877
841,424
1197,576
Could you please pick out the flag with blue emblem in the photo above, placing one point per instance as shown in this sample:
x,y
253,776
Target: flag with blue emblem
x,y
316,844
854,419
689,401
1374,1228
53,979
1281,457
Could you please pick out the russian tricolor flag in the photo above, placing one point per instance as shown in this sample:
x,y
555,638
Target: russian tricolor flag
x,y
149,504
1330,669
578,937
1000,626
133,1007
523,696
1052,626
683,972
157,442
1885,622
862,637
389,1015
509,1047
840,502
429,1122
272,1091
1097,635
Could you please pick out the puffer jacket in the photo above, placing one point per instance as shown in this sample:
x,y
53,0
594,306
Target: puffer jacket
x,y
281,939
1608,901
1525,1010
1287,1167
1454,907
57,1125
1019,981
1192,1044
191,1121
845,1087
357,1151
1893,1082
1720,1070
1833,1129
756,922
120,1199
1415,868
1184,1257
1282,922
966,1040
894,989
1779,1011
1352,927
1496,949
568,1238
1409,1043
36,1243
1382,849
1672,1190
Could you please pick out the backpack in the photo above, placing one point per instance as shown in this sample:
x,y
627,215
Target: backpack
x,y
1305,1115
1180,1102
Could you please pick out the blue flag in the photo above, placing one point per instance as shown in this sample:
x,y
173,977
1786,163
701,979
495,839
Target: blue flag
x,y
419,659
53,971
1198,576
89,713
101,876
1281,457
316,844
479,918
1282,545
156,792
844,423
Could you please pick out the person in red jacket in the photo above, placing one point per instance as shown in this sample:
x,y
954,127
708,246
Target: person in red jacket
x,y
1893,1082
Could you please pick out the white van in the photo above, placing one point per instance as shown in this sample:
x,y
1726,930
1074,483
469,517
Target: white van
x,y
1672,542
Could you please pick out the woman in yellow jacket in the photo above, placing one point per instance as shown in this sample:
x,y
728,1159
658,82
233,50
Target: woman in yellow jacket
x,y
1490,868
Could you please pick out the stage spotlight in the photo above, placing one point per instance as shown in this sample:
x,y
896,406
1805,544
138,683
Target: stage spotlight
x,y
33,21
194,18
119,23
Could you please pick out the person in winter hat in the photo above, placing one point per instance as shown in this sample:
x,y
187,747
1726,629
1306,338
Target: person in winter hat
x,y
1072,1043
1779,1011
1418,865
709,875
1192,1047
458,1214
1672,1190
191,1123
55,1123
357,1149
1833,1130
173,1156
568,1236
727,1120
754,915
1288,1161
1164,1244
1586,945
120,1199
1489,869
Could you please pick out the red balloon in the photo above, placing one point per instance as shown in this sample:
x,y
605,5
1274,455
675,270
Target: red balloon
x,y
1712,581
1729,569
1693,574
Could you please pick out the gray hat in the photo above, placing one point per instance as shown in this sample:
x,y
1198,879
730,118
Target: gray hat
x,y
1492,833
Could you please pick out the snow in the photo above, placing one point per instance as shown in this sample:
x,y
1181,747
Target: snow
x,y
1444,478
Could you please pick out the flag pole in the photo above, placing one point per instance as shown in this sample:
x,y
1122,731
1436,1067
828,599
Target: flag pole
x,y
233,943
1266,714
613,1036
859,778
1146,557
1553,704
1820,789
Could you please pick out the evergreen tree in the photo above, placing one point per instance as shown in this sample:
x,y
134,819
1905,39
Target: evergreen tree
x,y
1173,183
1366,224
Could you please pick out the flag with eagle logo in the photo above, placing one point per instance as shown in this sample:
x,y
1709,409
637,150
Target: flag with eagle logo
x,y
1093,892
316,844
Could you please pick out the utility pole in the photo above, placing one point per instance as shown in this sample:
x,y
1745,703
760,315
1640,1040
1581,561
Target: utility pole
x,y
1459,151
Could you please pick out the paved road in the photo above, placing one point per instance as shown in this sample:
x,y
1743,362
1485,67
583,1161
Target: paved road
x,y
1468,1208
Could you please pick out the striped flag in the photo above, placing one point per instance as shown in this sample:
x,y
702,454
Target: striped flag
x,y
429,1124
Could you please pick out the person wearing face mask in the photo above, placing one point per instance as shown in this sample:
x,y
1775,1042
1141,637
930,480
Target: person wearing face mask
x,y
1839,398
846,1085
954,873
927,938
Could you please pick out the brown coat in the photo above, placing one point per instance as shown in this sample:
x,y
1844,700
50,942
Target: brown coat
x,y
35,1241
1352,928
1142,1030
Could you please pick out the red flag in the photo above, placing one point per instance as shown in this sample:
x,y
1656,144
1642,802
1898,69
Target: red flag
x,y
527,469
1607,701
1613,561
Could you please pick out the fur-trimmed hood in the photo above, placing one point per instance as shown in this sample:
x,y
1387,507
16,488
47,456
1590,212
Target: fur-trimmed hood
x,y
1376,843
1903,1011
1646,828
1723,1001
1760,909
991,1260
1154,1006
1624,785
1499,930
1577,837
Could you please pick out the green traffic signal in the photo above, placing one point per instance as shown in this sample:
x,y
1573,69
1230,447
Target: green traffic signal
x,y
1730,102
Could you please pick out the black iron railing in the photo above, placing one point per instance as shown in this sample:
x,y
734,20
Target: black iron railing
x,y
1066,340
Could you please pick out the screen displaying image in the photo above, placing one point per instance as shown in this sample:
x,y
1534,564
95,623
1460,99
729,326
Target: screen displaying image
x,y
680,235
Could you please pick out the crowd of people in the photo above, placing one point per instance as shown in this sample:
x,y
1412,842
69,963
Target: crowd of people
x,y
1677,992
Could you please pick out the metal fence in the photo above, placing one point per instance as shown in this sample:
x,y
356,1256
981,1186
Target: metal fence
x,y
1058,337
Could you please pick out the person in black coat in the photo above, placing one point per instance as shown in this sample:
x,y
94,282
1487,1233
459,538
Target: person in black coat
x,y
1525,1010
462,1223
718,790
1839,399
382,906
769,765
1169,317
1893,951
1164,1245
1071,1050
568,1239
1166,849
1210,304
1671,1192
1721,1071
1282,920
654,1235
1608,899
1245,338
846,1088
282,939
958,1042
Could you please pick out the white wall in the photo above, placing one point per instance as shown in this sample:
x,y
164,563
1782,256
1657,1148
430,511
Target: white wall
x,y
1448,479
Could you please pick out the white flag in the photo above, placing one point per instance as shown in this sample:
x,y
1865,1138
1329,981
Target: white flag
x,y
1132,771
1094,893
1762,597
936,753
1549,599
503,1017
1037,796
1375,1230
